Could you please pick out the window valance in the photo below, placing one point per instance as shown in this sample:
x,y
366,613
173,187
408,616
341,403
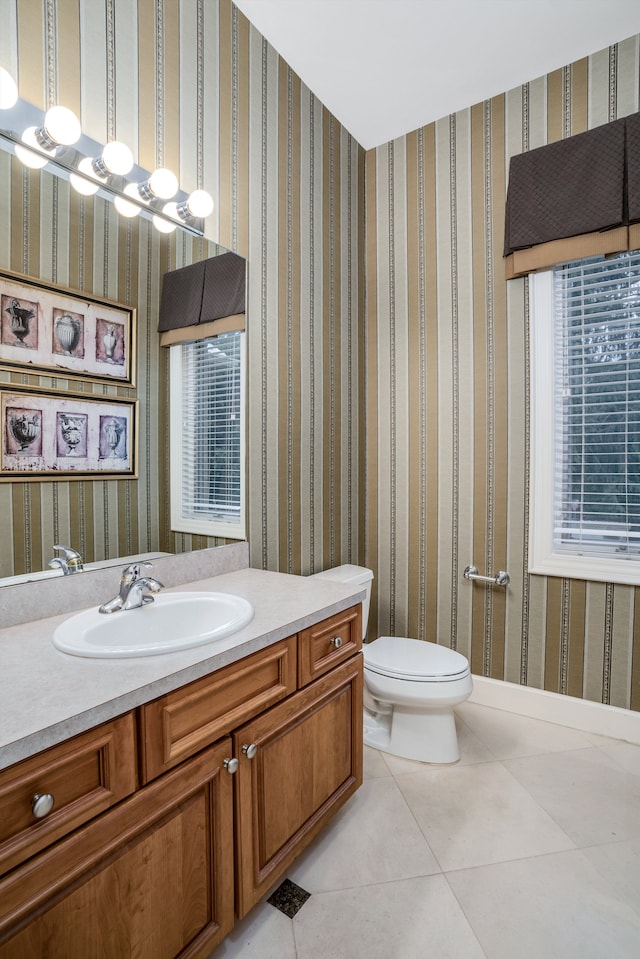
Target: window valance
x,y
574,198
203,299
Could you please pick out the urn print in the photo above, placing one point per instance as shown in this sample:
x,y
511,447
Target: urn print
x,y
68,333
109,342
19,322
113,437
71,435
23,432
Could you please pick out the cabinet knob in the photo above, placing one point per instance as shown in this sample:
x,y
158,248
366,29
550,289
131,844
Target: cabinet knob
x,y
231,765
41,805
336,642
250,750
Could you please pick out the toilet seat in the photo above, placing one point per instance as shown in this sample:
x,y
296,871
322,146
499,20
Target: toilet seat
x,y
399,657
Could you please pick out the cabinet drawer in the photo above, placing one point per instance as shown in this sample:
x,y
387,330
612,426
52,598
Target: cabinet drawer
x,y
183,722
328,643
84,775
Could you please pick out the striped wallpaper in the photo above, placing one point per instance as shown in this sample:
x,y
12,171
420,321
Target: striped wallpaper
x,y
189,84
395,436
447,343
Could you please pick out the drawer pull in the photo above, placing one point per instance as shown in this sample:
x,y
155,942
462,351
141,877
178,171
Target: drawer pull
x,y
336,642
41,805
250,750
231,765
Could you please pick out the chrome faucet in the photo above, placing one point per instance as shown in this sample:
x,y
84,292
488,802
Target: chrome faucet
x,y
70,562
135,590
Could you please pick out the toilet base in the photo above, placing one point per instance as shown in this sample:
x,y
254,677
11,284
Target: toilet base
x,y
428,736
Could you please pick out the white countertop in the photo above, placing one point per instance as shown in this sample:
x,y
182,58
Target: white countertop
x,y
47,696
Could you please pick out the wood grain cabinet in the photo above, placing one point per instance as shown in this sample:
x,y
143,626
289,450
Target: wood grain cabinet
x,y
298,764
151,878
153,850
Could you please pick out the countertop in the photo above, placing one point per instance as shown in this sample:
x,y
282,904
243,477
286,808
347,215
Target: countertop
x,y
47,696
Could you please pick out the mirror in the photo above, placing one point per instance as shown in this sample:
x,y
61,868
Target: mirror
x,y
81,243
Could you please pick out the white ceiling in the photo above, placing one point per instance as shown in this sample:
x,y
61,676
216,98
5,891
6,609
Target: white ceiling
x,y
386,67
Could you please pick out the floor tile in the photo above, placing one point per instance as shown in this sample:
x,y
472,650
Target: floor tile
x,y
619,865
264,934
508,735
374,764
478,814
625,755
373,839
409,919
552,906
586,792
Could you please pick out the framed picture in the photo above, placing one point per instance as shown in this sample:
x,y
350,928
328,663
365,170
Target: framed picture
x,y
47,436
65,333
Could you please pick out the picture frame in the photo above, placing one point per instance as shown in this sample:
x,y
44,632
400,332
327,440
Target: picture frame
x,y
61,332
66,436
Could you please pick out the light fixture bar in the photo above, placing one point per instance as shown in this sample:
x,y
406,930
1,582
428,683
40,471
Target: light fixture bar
x,y
86,166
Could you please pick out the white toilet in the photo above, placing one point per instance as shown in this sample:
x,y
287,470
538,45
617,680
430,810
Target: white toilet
x,y
411,688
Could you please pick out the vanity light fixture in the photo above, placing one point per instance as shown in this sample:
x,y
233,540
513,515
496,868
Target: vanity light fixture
x,y
56,141
8,90
61,127
161,185
162,224
128,208
198,204
116,159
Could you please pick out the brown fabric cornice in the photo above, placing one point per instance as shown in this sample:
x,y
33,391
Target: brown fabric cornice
x,y
201,293
573,195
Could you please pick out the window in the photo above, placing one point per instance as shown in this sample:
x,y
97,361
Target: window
x,y
207,436
585,491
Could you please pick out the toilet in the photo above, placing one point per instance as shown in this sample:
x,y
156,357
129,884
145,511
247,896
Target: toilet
x,y
411,688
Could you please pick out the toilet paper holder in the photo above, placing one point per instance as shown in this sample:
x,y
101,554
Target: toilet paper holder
x,y
498,579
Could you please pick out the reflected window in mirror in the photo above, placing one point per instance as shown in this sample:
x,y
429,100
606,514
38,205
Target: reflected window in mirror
x,y
207,436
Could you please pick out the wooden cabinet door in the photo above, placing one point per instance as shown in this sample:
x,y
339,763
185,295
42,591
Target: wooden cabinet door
x,y
152,878
306,763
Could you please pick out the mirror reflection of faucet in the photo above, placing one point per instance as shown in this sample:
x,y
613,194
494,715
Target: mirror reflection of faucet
x,y
70,562
135,590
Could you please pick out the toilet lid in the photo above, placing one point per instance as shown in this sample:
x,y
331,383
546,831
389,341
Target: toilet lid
x,y
403,658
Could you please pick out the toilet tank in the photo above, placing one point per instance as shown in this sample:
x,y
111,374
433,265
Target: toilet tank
x,y
358,575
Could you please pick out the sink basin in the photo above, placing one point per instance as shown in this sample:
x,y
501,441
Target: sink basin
x,y
172,622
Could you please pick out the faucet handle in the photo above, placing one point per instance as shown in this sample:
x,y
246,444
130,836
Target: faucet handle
x,y
134,571
69,562
67,551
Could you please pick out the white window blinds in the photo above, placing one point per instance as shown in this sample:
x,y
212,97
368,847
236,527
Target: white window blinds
x,y
596,484
207,430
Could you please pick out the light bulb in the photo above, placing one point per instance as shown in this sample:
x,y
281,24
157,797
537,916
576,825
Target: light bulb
x,y
199,204
34,160
162,184
162,225
86,187
116,158
171,209
61,125
8,90
125,207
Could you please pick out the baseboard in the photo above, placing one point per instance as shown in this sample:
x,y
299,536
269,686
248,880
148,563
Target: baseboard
x,y
553,708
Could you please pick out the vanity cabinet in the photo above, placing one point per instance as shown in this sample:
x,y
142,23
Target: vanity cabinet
x,y
229,778
151,878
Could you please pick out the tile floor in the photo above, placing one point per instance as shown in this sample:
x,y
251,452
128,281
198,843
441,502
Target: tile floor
x,y
528,848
